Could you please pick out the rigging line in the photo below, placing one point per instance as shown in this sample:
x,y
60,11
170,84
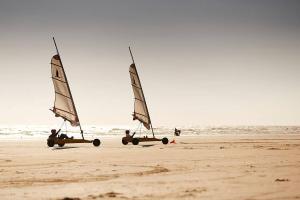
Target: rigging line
x,y
66,127
137,130
64,122
140,129
140,126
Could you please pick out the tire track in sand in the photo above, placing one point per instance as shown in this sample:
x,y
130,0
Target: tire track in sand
x,y
31,182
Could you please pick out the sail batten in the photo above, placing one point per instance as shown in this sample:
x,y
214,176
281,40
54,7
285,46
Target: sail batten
x,y
62,95
140,107
64,111
55,64
139,99
64,106
58,80
136,86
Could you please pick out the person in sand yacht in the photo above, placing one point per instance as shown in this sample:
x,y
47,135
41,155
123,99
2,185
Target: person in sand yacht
x,y
177,132
127,134
54,134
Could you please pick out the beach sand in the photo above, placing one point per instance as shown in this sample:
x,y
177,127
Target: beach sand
x,y
239,167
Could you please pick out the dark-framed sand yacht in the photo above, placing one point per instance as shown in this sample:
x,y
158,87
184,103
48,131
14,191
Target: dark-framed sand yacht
x,y
64,105
140,112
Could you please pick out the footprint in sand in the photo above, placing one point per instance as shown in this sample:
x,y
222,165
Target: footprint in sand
x,y
108,194
193,192
281,180
70,198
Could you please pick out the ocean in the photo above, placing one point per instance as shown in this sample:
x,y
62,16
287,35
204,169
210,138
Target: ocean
x,y
93,131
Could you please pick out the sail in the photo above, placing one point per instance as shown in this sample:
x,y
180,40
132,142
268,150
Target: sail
x,y
140,107
63,105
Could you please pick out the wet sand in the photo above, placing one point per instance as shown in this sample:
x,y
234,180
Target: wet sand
x,y
204,167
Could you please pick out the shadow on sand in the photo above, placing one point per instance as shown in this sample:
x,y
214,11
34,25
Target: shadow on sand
x,y
62,148
148,145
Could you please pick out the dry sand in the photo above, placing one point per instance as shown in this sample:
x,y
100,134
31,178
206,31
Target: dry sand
x,y
204,167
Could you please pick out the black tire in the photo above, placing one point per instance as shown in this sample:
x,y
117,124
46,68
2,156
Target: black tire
x,y
50,143
61,145
124,141
96,142
135,141
165,140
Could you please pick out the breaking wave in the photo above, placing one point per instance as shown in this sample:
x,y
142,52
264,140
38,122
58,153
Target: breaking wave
x,y
23,132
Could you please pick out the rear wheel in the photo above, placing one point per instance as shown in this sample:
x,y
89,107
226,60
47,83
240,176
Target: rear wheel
x,y
165,140
135,141
61,145
124,141
50,143
96,142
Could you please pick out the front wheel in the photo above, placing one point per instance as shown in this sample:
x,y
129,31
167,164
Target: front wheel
x,y
96,142
61,145
124,141
50,143
165,140
135,141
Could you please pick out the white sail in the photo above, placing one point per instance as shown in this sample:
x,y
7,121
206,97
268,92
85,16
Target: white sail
x,y
63,105
140,107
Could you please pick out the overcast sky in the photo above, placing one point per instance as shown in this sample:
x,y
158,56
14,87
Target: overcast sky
x,y
225,62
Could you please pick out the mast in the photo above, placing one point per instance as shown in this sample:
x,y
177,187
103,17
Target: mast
x,y
142,92
81,131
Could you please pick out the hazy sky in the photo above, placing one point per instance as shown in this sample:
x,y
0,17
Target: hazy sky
x,y
225,62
